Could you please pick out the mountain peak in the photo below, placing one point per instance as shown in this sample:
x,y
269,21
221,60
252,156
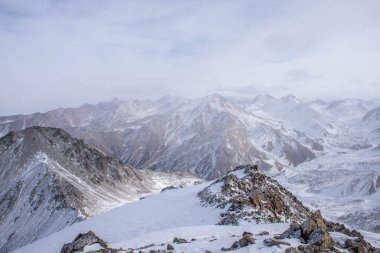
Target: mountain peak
x,y
290,98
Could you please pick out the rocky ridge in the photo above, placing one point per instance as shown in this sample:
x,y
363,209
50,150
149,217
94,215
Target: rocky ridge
x,y
250,196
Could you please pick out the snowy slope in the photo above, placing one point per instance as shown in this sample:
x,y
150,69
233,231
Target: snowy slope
x,y
293,113
50,180
345,184
211,135
176,213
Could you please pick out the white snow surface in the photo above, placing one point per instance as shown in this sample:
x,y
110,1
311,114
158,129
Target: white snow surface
x,y
167,210
158,219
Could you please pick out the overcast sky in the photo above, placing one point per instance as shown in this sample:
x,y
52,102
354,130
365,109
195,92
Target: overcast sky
x,y
62,53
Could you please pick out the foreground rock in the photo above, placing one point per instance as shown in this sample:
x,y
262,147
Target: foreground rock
x,y
83,240
315,233
253,197
312,232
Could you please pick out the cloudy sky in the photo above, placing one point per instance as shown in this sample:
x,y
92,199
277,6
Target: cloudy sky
x,y
61,53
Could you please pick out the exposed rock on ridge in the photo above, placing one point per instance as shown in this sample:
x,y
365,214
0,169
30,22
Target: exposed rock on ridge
x,y
253,197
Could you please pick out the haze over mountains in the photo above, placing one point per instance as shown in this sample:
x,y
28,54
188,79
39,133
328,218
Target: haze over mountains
x,y
327,153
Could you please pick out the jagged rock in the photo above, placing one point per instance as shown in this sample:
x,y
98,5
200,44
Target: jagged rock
x,y
359,245
291,250
81,241
313,231
271,242
263,233
235,245
247,233
179,240
315,221
168,188
169,247
355,245
338,227
246,240
253,197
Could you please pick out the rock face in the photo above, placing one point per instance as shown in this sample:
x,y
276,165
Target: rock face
x,y
253,197
313,232
49,180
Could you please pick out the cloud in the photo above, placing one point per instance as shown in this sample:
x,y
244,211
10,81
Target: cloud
x,y
66,53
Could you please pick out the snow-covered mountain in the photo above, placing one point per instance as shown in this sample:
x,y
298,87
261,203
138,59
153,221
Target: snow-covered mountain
x,y
293,113
184,220
207,136
211,135
49,180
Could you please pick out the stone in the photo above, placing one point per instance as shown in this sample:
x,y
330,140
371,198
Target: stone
x,y
313,231
291,250
235,245
315,221
271,242
81,241
179,240
247,233
321,238
169,247
263,233
246,240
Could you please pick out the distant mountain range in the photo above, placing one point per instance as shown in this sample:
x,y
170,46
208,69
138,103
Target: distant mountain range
x,y
327,153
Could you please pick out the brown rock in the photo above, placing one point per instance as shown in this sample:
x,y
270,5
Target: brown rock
x,y
291,250
315,221
246,240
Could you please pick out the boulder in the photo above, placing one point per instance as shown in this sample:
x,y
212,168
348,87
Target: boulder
x,y
246,240
169,247
235,245
315,221
291,250
81,241
179,240
313,231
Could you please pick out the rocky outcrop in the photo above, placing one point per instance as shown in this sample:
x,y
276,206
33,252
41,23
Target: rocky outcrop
x,y
253,197
356,245
313,232
83,240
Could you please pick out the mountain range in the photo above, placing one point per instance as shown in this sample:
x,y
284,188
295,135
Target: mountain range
x,y
327,153
50,180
